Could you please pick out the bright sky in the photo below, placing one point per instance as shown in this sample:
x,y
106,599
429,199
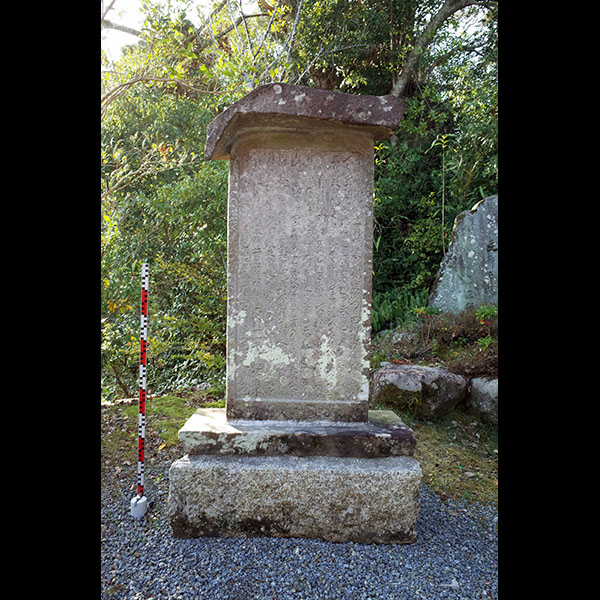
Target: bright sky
x,y
126,12
123,12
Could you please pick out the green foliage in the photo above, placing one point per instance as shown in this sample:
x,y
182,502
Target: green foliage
x,y
173,217
162,203
396,308
486,312
485,342
180,229
443,158
355,46
458,341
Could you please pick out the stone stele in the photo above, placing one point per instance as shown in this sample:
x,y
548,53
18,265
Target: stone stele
x,y
297,452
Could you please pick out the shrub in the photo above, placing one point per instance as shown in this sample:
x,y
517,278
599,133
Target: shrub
x,y
461,341
396,307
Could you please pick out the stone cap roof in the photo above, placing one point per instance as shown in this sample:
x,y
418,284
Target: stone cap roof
x,y
299,107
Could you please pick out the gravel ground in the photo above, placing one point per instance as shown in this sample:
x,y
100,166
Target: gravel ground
x,y
454,557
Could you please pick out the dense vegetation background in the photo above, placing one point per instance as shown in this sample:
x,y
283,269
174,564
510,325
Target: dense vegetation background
x,y
163,204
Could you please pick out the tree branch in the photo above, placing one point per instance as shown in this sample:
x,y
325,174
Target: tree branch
x,y
106,11
207,43
321,52
449,7
110,25
267,30
196,33
289,41
121,88
294,28
206,21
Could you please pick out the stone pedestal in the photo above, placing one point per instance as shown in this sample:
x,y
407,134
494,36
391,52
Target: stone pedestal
x,y
335,481
364,500
296,452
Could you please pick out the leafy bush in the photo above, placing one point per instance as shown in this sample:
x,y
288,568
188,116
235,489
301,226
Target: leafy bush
x,y
395,308
462,328
178,225
460,341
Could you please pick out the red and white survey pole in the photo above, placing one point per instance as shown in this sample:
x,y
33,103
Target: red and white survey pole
x,y
139,504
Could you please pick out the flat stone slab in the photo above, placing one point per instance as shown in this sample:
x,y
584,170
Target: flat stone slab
x,y
208,431
364,500
298,106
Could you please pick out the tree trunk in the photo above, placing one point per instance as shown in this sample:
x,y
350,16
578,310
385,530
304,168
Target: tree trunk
x,y
449,7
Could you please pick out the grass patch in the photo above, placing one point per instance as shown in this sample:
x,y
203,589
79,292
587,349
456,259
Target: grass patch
x,y
458,454
165,415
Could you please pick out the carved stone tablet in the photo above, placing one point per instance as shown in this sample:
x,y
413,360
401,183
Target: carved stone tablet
x,y
300,254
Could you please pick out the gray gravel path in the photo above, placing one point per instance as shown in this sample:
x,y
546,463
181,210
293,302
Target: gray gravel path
x,y
454,557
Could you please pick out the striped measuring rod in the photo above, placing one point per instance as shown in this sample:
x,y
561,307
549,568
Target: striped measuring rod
x,y
139,503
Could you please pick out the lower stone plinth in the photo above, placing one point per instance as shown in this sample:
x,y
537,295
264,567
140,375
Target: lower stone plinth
x,y
208,431
365,500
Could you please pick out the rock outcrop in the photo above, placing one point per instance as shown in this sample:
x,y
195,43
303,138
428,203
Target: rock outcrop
x,y
429,391
483,398
468,275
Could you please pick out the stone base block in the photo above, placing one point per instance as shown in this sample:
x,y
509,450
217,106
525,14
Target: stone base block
x,y
366,500
208,431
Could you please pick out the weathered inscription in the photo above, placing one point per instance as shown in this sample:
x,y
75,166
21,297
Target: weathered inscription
x,y
299,234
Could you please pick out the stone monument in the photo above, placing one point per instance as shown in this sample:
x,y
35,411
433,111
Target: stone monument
x,y
297,452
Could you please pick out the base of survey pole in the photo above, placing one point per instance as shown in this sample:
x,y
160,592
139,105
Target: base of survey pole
x,y
139,507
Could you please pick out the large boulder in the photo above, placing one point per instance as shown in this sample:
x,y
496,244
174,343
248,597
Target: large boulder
x,y
429,391
468,275
483,398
